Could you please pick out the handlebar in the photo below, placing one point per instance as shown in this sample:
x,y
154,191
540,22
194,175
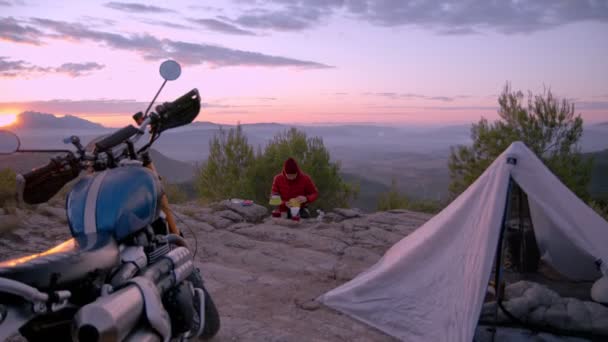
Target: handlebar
x,y
41,184
116,138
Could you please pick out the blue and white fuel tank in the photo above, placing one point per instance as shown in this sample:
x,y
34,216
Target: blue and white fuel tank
x,y
117,201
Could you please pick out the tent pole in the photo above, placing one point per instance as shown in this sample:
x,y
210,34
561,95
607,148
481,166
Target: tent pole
x,y
520,222
498,268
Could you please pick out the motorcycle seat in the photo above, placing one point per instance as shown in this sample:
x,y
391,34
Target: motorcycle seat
x,y
65,263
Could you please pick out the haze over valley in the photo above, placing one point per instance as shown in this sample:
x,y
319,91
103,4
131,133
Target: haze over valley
x,y
370,155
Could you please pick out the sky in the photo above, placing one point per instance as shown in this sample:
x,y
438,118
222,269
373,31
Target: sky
x,y
302,61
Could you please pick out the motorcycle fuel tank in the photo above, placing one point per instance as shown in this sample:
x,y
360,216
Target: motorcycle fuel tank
x,y
118,201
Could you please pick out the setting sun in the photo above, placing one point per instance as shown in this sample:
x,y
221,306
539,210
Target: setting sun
x,y
7,119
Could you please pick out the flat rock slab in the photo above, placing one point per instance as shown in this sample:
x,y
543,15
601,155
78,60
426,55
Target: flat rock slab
x,y
263,275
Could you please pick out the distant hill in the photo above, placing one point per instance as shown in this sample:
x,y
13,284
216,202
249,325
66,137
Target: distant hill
x,y
36,120
174,171
369,191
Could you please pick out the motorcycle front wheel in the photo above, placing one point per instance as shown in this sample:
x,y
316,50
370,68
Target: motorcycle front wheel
x,y
212,316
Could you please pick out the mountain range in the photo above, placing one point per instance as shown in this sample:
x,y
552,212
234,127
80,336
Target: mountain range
x,y
37,120
370,155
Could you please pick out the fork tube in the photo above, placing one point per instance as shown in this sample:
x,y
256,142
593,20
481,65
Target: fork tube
x,y
164,205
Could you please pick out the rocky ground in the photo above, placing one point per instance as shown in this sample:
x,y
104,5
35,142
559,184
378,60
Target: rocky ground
x,y
263,273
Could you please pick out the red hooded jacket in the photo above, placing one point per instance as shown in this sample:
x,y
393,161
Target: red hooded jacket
x,y
302,185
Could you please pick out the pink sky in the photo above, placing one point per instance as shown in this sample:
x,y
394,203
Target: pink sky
x,y
303,62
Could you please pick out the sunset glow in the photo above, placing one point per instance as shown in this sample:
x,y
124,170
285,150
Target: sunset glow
x,y
303,61
7,119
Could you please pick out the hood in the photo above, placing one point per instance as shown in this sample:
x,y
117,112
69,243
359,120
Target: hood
x,y
294,163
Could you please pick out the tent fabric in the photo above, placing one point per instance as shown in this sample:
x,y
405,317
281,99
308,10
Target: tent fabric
x,y
430,286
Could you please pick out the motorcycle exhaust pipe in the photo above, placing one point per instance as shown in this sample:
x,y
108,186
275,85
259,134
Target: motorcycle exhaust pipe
x,y
113,317
110,318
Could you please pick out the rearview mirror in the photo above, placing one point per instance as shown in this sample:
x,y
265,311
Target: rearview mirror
x,y
9,142
170,70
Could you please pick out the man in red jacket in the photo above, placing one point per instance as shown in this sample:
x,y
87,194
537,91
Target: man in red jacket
x,y
291,184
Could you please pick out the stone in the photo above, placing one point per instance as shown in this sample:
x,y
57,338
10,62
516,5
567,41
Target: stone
x,y
251,213
348,213
600,326
309,305
516,290
557,315
518,307
230,215
332,217
537,315
580,317
217,221
240,225
204,226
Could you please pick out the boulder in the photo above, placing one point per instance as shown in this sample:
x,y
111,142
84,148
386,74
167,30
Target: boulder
x,y
348,213
217,221
204,226
580,317
538,315
230,215
518,307
516,290
557,315
50,211
250,213
332,217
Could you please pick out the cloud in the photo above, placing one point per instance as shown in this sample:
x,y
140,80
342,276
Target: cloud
x,y
292,16
509,17
14,31
9,3
78,69
206,8
94,21
218,56
396,96
14,68
220,26
152,48
165,24
449,17
137,8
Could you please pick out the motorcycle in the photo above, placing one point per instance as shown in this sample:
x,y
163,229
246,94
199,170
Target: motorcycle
x,y
127,273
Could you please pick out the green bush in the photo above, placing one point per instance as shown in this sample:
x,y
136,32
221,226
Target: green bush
x,y
546,125
8,188
601,207
393,199
234,170
222,175
312,157
175,194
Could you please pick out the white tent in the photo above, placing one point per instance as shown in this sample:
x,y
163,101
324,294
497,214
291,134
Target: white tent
x,y
430,286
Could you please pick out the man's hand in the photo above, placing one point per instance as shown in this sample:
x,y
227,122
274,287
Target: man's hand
x,y
301,199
